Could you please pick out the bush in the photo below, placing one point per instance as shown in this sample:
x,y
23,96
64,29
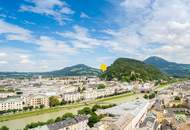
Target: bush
x,y
4,128
101,86
85,111
177,98
93,120
149,96
146,96
58,119
42,106
152,95
67,115
50,121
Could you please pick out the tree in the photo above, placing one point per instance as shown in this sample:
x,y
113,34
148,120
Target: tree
x,y
83,89
50,121
25,108
146,96
4,128
58,119
14,110
85,111
31,107
93,120
95,107
42,106
53,101
152,95
79,89
67,115
63,102
177,98
101,86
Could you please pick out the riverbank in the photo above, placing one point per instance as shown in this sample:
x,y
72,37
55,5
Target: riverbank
x,y
18,122
59,108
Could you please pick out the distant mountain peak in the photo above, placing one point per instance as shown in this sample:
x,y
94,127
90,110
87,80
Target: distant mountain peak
x,y
156,58
76,70
171,68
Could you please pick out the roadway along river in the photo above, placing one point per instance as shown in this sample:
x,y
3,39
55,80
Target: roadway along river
x,y
19,124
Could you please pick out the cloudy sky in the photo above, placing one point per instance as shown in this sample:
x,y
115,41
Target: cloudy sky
x,y
43,35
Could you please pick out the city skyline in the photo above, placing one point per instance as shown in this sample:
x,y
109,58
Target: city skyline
x,y
48,35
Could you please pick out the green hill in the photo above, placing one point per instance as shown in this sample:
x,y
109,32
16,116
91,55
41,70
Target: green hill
x,y
170,68
126,69
76,70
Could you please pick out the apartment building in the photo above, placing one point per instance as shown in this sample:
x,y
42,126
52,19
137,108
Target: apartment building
x,y
90,95
72,96
11,103
6,94
36,100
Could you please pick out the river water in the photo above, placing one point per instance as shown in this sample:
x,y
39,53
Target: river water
x,y
19,124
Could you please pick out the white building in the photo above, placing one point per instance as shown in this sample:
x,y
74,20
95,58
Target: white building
x,y
72,96
6,94
127,116
11,103
90,95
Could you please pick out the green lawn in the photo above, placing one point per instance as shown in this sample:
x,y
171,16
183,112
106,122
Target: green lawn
x,y
59,108
36,112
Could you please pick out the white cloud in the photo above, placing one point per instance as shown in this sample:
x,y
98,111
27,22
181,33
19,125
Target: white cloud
x,y
156,28
2,54
14,32
24,59
81,38
84,15
3,62
104,59
55,8
135,4
55,47
27,61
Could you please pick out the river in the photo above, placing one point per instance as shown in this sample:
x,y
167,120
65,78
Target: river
x,y
19,124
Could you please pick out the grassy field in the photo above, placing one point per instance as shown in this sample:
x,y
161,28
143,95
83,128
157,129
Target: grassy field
x,y
65,107
36,112
113,99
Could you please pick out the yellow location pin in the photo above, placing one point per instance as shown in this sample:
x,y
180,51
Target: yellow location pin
x,y
103,67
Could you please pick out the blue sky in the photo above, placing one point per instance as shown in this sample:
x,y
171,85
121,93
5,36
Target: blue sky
x,y
44,35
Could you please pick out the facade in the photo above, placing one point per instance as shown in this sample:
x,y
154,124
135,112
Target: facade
x,y
72,96
36,100
76,123
6,94
11,103
90,95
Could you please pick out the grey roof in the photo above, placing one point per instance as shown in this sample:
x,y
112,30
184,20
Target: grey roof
x,y
67,122
62,124
132,107
11,99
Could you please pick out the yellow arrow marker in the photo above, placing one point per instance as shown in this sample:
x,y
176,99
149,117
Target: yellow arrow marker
x,y
103,67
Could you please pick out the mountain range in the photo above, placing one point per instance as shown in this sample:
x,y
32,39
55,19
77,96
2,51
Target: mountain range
x,y
120,67
170,68
76,70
